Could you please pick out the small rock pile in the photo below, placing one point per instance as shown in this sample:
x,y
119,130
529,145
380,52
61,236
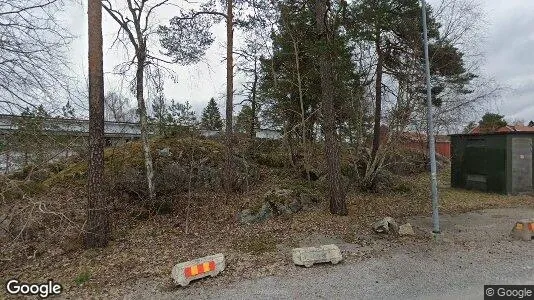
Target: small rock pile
x,y
389,225
278,202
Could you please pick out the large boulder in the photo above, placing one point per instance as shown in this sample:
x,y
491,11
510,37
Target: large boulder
x,y
165,152
248,216
282,200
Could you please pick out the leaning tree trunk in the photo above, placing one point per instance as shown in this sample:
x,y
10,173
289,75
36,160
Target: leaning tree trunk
x,y
229,168
305,147
141,59
98,228
378,98
338,204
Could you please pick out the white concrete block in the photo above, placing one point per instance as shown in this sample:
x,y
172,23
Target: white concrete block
x,y
185,272
313,255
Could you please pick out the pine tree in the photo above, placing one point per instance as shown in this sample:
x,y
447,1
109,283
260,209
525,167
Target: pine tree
x,y
97,228
31,127
245,121
182,114
68,111
161,116
211,117
490,122
326,37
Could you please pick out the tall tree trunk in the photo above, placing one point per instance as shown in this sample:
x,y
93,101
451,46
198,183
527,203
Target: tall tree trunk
x,y
141,106
98,227
287,141
8,156
302,111
338,204
229,168
253,100
378,98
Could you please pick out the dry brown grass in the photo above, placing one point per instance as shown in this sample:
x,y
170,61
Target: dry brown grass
x,y
149,248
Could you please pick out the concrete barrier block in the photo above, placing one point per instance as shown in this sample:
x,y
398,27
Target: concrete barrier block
x,y
185,272
523,229
313,255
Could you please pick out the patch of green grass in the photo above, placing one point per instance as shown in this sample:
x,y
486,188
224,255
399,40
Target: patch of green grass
x,y
83,277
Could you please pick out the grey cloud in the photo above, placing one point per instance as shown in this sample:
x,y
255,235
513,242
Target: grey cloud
x,y
509,50
508,45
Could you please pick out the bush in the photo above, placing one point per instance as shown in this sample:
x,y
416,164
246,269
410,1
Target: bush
x,y
406,162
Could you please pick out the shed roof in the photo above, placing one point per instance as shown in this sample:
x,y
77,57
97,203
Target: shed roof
x,y
530,133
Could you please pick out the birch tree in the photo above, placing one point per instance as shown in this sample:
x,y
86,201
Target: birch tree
x,y
33,60
136,26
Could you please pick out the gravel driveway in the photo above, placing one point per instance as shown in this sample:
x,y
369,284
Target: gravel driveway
x,y
475,250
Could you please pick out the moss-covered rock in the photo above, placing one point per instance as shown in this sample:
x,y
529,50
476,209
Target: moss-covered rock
x,y
185,160
279,201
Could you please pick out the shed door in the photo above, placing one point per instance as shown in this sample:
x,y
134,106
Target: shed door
x,y
521,165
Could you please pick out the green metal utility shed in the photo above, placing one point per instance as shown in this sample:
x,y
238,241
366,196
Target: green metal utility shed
x,y
498,162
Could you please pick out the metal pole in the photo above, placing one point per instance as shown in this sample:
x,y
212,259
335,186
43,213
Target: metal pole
x,y
430,129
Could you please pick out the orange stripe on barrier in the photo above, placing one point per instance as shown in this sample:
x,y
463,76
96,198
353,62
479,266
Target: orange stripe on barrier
x,y
531,226
206,267
199,269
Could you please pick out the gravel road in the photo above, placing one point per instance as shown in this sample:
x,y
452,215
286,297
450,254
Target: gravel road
x,y
475,250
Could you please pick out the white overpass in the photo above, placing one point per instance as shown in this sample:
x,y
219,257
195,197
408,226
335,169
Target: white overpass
x,y
122,130
73,127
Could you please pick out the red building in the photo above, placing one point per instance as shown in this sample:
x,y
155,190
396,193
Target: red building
x,y
418,141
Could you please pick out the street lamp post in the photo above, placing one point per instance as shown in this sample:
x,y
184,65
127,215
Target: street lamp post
x,y
430,130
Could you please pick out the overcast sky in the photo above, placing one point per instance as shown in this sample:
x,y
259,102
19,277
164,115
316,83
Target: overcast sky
x,y
196,83
508,46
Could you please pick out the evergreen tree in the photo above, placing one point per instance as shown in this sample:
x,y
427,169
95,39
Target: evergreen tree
x,y
295,54
68,111
244,121
211,117
393,29
491,122
182,114
30,128
98,228
161,116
